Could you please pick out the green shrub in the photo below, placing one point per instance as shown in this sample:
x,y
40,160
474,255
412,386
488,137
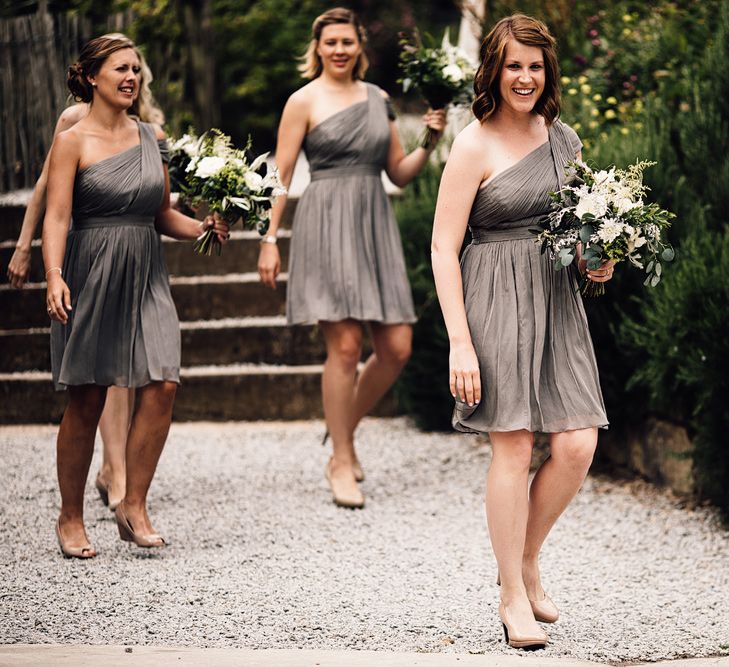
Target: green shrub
x,y
680,348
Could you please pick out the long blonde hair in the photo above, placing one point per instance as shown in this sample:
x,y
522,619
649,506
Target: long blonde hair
x,y
311,66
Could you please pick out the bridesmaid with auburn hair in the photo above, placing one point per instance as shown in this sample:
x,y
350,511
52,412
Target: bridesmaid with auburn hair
x,y
113,319
347,268
521,359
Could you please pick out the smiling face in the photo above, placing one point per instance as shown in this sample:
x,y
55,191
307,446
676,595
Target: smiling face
x,y
339,49
119,78
522,79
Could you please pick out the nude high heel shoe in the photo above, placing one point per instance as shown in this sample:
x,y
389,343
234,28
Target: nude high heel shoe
x,y
73,552
126,531
515,639
342,496
545,611
104,492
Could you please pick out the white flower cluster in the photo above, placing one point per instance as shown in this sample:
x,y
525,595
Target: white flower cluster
x,y
457,66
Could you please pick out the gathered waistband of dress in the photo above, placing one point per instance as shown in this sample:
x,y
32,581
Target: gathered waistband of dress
x,y
113,221
347,170
484,235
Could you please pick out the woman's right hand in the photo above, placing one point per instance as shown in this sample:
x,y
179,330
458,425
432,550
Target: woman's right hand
x,y
58,298
465,376
269,264
19,267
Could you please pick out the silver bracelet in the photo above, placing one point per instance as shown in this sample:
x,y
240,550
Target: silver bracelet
x,y
269,239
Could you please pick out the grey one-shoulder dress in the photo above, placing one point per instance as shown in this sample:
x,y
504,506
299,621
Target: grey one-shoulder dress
x,y
527,320
346,255
123,329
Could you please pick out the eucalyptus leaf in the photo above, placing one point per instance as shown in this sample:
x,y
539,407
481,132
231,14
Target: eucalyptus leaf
x,y
558,264
586,233
659,268
649,268
594,263
668,254
566,260
655,279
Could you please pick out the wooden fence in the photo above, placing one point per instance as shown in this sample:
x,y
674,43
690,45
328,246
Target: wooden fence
x,y
35,51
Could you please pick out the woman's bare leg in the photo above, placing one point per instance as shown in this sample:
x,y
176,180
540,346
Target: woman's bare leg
x,y
114,427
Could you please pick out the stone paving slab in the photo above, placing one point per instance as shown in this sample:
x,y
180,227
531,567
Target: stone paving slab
x,y
259,557
146,656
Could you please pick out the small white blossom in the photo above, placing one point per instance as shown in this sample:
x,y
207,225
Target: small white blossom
x,y
453,73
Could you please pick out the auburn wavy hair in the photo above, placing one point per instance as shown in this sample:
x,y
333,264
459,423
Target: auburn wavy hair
x,y
530,32
311,66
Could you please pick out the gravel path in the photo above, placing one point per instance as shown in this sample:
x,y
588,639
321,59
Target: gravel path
x,y
260,558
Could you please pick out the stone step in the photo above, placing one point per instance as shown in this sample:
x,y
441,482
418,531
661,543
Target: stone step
x,y
241,252
214,393
196,297
252,340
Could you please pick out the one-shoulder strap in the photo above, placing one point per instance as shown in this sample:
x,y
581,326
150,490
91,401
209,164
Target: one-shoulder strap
x,y
562,148
150,134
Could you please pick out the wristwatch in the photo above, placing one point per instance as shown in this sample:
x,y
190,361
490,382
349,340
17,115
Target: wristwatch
x,y
269,239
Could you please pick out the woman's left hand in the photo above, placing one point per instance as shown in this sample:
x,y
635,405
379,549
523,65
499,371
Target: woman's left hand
x,y
219,226
602,274
436,121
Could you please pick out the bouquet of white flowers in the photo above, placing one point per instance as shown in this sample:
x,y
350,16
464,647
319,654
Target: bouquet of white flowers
x,y
209,169
605,213
442,75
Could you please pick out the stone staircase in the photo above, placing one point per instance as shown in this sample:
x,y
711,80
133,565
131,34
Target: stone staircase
x,y
239,359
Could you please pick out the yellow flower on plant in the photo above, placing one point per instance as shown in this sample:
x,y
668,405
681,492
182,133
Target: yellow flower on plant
x,y
581,79
572,91
597,97
565,80
594,112
612,100
639,126
622,108
627,32
627,18
577,127
592,124
624,130
610,114
585,88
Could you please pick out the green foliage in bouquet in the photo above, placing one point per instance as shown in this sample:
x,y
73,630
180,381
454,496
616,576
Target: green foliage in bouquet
x,y
677,343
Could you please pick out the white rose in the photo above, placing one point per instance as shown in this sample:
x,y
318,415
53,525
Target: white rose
x,y
453,73
592,203
253,180
209,166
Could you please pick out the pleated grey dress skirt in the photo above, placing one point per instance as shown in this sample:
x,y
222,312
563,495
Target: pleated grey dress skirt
x,y
527,320
346,253
123,329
